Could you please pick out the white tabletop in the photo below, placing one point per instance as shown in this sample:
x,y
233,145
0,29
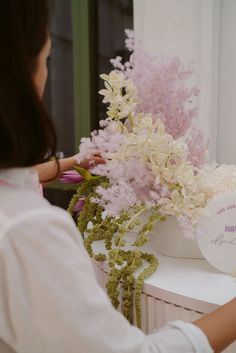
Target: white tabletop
x,y
192,284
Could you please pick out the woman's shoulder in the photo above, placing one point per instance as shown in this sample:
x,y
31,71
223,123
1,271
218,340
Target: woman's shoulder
x,y
17,201
36,223
26,206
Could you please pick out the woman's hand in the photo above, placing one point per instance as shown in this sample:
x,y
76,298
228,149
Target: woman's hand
x,y
94,160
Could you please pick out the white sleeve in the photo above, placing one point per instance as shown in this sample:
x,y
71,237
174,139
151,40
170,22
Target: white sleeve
x,y
50,301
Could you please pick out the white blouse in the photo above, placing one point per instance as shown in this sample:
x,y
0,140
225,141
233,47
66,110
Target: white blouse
x,y
50,301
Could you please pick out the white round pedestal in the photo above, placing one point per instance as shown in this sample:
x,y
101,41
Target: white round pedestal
x,y
168,240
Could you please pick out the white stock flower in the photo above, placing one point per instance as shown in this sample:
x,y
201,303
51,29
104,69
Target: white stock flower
x,y
120,93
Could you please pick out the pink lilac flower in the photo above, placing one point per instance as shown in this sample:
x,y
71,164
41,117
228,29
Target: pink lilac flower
x,y
130,40
117,198
161,86
197,147
104,140
71,177
132,176
134,171
164,89
117,63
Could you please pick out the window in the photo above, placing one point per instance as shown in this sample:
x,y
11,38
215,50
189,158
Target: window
x,y
85,34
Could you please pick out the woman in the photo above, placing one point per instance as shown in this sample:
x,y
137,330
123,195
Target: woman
x,y
50,301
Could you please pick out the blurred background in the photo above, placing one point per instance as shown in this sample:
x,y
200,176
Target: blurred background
x,y
85,35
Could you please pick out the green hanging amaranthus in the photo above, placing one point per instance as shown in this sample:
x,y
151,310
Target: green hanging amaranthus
x,y
123,288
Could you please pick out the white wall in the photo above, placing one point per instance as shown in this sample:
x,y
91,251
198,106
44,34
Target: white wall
x,y
227,84
203,31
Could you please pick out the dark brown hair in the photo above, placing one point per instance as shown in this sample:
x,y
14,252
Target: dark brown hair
x,y
27,135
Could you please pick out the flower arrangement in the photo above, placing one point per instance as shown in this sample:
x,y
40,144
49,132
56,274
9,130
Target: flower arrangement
x,y
154,167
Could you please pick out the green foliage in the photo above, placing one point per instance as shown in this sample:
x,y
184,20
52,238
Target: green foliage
x,y
123,288
83,172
